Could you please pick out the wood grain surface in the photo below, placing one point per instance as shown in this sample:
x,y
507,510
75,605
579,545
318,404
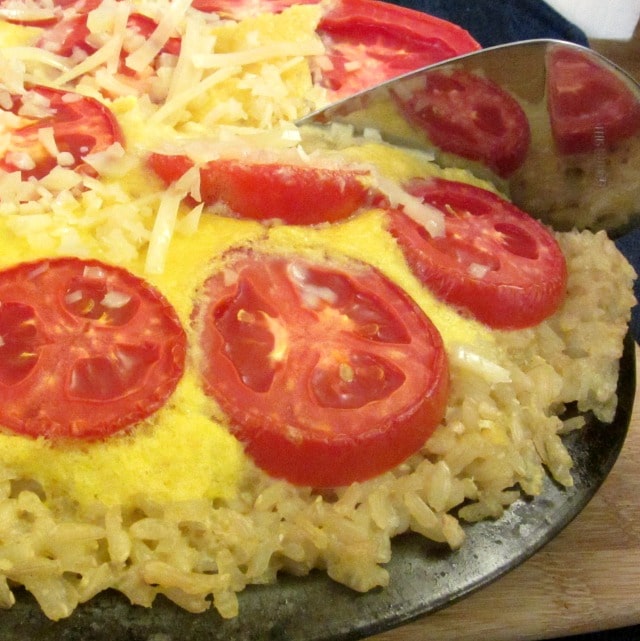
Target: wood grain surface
x,y
588,578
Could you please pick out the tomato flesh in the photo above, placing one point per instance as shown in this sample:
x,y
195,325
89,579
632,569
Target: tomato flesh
x,y
471,117
494,262
293,194
328,374
589,106
81,126
369,42
87,349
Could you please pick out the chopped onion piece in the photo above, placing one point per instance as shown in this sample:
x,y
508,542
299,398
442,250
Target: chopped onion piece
x,y
477,270
40,269
115,300
65,159
61,180
371,133
35,105
20,159
73,297
229,277
48,141
94,272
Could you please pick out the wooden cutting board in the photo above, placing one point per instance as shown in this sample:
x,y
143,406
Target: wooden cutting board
x,y
586,579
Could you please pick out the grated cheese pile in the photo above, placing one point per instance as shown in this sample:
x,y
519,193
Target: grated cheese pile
x,y
233,84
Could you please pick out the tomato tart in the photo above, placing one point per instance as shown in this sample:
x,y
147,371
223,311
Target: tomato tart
x,y
228,351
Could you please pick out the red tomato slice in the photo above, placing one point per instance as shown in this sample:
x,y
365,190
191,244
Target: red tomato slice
x,y
81,125
471,117
494,261
589,106
293,194
87,349
369,42
328,374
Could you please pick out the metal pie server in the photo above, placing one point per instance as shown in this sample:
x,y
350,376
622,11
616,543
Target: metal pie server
x,y
555,125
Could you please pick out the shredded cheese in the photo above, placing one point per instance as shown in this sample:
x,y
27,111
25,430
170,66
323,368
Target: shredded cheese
x,y
168,25
34,55
26,12
48,141
197,37
309,47
174,107
431,218
162,231
463,357
120,15
232,81
165,221
102,56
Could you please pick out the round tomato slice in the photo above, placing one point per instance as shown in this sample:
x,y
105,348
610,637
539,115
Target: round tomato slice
x,y
589,106
368,42
86,349
494,261
329,374
472,117
81,125
293,194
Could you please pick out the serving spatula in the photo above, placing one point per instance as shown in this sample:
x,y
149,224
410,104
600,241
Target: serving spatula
x,y
553,124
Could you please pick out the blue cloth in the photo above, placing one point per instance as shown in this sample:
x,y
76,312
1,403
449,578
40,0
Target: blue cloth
x,y
493,22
